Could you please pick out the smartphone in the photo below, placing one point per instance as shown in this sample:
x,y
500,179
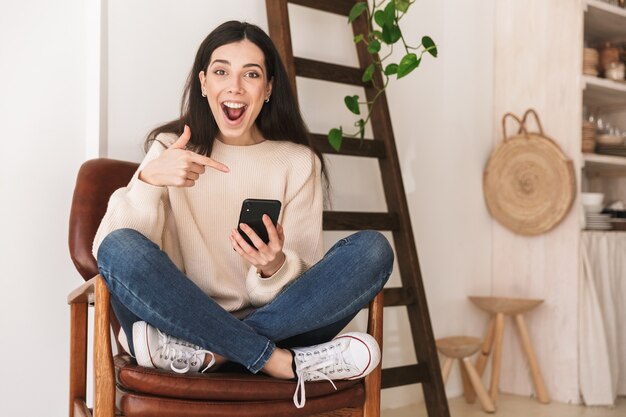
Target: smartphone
x,y
252,211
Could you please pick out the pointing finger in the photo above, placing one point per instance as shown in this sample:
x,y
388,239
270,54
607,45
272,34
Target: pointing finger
x,y
205,160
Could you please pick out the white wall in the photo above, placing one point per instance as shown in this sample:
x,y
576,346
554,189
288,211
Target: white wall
x,y
42,97
539,67
442,117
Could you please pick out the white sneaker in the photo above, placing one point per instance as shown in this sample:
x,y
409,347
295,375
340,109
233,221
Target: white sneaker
x,y
348,356
155,349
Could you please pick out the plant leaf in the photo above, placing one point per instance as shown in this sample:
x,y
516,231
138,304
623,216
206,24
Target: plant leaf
x,y
356,11
391,69
335,137
352,103
408,63
403,5
358,38
369,71
380,18
390,13
391,34
429,45
373,47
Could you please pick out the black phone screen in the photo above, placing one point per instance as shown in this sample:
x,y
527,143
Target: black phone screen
x,y
252,211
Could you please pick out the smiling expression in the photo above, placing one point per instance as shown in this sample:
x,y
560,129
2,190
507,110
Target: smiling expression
x,y
236,86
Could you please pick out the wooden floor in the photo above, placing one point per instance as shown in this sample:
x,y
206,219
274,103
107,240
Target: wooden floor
x,y
515,406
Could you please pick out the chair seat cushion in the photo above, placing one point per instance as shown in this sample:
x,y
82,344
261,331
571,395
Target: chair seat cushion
x,y
345,402
216,386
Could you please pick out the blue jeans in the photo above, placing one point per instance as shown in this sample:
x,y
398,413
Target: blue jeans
x,y
146,285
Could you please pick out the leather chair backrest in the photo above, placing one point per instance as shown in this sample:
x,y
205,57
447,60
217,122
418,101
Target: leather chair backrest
x,y
97,179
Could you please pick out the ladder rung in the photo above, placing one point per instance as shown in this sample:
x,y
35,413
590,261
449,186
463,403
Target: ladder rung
x,y
398,297
351,220
342,7
404,375
326,71
351,146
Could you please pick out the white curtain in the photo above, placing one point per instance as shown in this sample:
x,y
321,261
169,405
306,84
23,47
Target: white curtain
x,y
602,320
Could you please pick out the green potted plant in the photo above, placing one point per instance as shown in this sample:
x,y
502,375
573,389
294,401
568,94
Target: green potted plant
x,y
383,32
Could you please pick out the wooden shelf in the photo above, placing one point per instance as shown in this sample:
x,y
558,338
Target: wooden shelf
x,y
600,92
604,164
604,22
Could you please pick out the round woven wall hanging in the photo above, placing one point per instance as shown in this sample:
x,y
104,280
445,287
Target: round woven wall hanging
x,y
529,184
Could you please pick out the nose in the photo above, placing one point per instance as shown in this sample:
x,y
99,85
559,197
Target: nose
x,y
235,86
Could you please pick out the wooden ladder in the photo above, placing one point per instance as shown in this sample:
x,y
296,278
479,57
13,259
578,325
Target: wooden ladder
x,y
397,220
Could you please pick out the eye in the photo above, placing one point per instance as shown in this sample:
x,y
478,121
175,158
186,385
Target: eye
x,y
253,74
219,72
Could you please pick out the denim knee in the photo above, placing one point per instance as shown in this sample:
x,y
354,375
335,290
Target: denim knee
x,y
379,250
117,244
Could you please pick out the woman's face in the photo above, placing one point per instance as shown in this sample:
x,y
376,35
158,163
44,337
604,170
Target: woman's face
x,y
236,86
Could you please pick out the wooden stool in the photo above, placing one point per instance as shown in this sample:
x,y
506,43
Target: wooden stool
x,y
498,307
461,348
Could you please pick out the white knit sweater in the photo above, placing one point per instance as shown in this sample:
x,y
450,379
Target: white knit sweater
x,y
192,225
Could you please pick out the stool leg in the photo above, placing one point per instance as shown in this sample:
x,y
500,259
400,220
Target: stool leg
x,y
540,388
445,370
468,390
483,397
497,358
484,353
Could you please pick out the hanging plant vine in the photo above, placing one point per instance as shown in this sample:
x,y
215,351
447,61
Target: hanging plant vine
x,y
386,15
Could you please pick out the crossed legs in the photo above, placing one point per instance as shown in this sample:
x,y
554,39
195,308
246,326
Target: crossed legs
x,y
145,285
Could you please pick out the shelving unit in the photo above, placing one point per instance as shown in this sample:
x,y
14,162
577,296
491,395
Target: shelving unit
x,y
603,22
605,174
601,92
594,164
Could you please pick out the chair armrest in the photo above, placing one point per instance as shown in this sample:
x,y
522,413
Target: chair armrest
x,y
104,373
83,294
93,292
373,381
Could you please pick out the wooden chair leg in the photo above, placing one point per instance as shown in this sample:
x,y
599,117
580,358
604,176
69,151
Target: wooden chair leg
x,y
540,388
104,384
477,384
78,354
497,358
445,369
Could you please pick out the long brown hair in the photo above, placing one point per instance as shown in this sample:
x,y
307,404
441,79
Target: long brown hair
x,y
280,119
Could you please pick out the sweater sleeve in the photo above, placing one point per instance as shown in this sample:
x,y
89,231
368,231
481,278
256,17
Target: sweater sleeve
x,y
303,246
138,206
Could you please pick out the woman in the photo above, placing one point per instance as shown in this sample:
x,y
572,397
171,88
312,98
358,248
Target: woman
x,y
185,284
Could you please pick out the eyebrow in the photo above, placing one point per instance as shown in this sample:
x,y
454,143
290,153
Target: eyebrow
x,y
223,61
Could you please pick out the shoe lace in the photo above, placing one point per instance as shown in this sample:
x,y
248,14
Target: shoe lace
x,y
317,364
179,352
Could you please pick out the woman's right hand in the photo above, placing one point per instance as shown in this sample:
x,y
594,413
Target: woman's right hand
x,y
177,166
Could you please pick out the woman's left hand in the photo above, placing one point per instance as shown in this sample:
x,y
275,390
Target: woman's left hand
x,y
268,257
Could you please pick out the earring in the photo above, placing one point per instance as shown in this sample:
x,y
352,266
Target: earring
x,y
203,93
267,100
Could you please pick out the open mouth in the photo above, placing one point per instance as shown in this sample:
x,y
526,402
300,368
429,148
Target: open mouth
x,y
233,110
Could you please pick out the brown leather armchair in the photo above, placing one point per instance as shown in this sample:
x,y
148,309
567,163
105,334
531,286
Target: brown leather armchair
x,y
121,387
